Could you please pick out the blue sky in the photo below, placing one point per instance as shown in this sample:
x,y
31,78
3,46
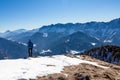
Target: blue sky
x,y
29,14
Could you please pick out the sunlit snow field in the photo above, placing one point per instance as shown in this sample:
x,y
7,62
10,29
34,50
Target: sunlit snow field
x,y
40,66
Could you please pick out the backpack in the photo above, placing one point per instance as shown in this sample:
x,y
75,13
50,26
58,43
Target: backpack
x,y
30,45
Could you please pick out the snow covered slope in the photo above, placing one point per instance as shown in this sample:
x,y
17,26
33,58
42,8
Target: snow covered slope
x,y
41,66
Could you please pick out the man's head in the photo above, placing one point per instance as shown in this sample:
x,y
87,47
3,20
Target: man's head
x,y
29,40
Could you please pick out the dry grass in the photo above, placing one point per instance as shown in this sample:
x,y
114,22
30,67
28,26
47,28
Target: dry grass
x,y
85,71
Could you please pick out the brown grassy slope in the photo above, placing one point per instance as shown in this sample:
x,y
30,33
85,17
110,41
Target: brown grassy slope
x,y
81,71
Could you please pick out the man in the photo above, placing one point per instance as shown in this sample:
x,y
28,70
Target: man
x,y
30,47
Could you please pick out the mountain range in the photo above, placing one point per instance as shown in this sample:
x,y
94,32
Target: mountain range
x,y
61,38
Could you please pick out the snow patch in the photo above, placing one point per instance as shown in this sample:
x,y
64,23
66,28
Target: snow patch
x,y
67,40
34,45
32,67
45,34
97,38
108,41
45,51
93,44
73,52
22,43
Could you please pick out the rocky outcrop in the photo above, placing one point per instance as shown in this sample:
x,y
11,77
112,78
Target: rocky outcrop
x,y
107,53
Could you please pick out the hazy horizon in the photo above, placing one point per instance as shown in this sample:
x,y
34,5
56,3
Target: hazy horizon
x,y
31,14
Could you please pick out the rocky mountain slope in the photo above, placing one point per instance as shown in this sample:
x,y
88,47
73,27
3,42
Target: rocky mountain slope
x,y
107,53
9,49
76,41
104,31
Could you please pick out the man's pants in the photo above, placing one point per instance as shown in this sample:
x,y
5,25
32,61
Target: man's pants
x,y
30,52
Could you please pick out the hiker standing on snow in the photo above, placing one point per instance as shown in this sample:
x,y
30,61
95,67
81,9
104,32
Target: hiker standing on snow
x,y
30,48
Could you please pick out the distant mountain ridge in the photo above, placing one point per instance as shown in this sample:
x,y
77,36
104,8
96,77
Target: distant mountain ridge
x,y
8,33
57,37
